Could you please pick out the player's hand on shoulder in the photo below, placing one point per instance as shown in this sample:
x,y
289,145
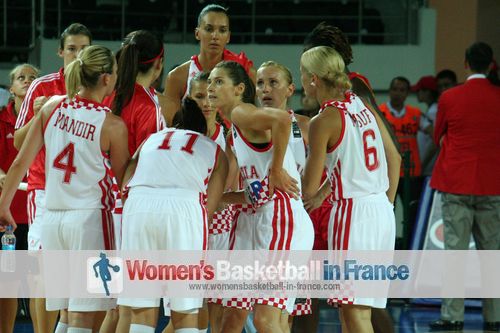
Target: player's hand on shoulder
x,y
38,103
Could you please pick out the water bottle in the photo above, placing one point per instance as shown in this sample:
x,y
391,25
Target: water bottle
x,y
8,260
8,239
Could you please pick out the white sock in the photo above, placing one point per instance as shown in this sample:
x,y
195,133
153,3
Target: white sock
x,y
138,328
61,327
186,330
79,330
205,330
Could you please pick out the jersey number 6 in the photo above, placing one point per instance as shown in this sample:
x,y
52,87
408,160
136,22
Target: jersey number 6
x,y
371,157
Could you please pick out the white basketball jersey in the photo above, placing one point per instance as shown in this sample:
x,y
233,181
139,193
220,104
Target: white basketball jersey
x,y
77,171
254,163
218,136
194,68
297,144
356,164
175,158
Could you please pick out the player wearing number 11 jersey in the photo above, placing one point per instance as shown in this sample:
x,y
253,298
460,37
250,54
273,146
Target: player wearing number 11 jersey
x,y
347,138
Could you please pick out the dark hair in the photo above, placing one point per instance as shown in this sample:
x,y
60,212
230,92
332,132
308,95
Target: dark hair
x,y
72,30
192,117
212,8
238,75
402,79
86,69
447,74
479,57
138,53
328,35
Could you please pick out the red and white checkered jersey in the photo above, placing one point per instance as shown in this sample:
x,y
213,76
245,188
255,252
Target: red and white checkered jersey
x,y
297,144
254,164
76,168
356,163
175,158
48,86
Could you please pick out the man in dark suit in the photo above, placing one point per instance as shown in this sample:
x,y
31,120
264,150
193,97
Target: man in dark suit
x,y
467,172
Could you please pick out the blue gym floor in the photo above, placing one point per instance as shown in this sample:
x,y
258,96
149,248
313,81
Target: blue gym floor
x,y
407,319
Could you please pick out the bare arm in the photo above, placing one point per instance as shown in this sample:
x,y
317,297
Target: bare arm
x,y
175,84
115,132
322,131
392,156
247,116
317,200
216,184
233,173
303,122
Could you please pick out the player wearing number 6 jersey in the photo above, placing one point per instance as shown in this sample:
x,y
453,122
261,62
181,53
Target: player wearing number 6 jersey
x,y
347,137
82,138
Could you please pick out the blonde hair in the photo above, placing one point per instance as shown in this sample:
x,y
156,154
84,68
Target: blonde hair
x,y
286,72
12,74
86,69
328,65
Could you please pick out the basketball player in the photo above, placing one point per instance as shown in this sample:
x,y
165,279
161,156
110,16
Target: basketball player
x,y
213,32
140,62
348,138
274,87
327,35
73,39
20,77
165,209
260,138
82,137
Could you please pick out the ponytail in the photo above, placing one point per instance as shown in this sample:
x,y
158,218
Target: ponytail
x,y
86,69
192,117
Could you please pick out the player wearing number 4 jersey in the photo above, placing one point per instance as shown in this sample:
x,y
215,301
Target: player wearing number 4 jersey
x,y
347,138
81,138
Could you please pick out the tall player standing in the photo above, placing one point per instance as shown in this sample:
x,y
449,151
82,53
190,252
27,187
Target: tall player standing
x,y
73,39
260,138
213,32
78,161
349,139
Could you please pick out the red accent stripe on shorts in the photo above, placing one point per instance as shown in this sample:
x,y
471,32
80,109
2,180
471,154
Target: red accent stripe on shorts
x,y
31,207
272,245
347,228
290,223
205,225
107,229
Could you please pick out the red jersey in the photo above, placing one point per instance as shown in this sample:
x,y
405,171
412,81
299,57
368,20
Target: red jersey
x,y
142,115
8,153
48,86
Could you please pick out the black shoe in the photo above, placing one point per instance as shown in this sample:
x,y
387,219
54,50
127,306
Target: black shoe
x,y
446,325
491,326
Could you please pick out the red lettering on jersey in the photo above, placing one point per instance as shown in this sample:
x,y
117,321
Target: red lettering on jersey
x,y
253,173
188,148
77,128
361,119
166,142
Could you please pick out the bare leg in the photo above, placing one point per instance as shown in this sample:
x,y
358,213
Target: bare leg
x,y
215,314
8,312
184,320
45,320
267,319
233,320
203,317
110,321
124,319
382,321
357,318
98,320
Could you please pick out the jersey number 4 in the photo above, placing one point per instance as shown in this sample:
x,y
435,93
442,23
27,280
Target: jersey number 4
x,y
64,161
371,157
188,147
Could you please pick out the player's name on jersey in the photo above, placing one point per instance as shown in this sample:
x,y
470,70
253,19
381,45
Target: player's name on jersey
x,y
77,128
361,119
